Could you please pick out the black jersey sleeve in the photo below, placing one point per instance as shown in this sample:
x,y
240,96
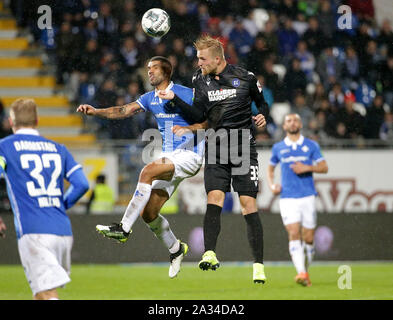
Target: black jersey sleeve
x,y
190,113
256,93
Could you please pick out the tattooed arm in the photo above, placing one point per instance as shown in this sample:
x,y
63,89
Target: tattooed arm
x,y
118,112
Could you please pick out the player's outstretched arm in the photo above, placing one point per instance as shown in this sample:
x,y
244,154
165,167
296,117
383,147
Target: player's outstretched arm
x,y
180,131
118,112
191,113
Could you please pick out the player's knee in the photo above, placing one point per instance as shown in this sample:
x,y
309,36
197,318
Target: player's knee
x,y
216,197
293,235
146,174
308,238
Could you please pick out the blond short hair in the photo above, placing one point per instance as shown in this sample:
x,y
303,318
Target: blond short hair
x,y
207,42
23,113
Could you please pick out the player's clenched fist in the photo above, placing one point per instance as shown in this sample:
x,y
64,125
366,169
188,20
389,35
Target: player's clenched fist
x,y
86,109
260,121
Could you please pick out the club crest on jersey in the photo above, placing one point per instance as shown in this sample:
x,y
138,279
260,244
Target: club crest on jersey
x,y
208,80
218,95
236,82
304,148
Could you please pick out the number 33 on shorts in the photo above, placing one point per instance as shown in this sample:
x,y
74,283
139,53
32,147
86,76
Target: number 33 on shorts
x,y
254,173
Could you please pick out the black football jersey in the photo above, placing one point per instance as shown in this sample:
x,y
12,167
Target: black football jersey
x,y
226,98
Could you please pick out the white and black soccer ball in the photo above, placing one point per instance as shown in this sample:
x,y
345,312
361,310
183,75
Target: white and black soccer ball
x,y
156,22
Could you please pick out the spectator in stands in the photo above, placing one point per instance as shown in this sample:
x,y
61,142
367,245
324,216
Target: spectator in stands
x,y
90,30
385,38
300,107
300,24
351,67
66,48
386,132
362,37
129,54
128,13
106,96
204,16
386,79
288,8
271,38
288,39
375,118
315,99
306,58
183,24
87,89
353,121
370,62
241,38
257,55
271,79
328,67
107,25
295,80
314,37
336,96
226,25
326,18
90,59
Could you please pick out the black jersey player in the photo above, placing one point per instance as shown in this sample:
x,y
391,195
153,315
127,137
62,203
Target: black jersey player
x,y
223,97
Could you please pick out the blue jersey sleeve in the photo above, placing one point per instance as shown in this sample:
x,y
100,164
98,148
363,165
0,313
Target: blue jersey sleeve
x,y
78,181
70,165
316,154
78,187
144,102
274,158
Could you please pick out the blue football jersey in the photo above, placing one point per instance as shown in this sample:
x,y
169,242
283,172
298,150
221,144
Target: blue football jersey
x,y
34,169
165,121
286,153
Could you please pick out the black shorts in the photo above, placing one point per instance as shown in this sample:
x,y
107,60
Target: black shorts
x,y
221,176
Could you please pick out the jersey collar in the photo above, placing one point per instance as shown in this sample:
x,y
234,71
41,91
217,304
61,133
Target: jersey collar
x,y
289,142
29,131
169,87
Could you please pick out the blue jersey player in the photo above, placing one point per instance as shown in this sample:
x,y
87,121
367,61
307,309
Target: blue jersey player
x,y
299,158
181,158
34,169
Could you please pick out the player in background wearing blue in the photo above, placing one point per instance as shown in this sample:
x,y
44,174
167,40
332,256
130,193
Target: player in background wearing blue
x,y
34,169
299,158
181,158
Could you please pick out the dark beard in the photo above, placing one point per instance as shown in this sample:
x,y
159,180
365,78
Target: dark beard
x,y
296,131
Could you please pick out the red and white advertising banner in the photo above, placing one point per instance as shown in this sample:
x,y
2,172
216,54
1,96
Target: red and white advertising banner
x,y
358,181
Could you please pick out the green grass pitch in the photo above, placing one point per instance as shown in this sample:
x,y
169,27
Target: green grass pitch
x,y
230,282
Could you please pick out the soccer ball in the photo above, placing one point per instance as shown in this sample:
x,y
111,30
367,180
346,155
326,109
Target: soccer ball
x,y
156,22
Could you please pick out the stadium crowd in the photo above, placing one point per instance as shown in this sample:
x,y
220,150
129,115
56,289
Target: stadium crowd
x,y
339,81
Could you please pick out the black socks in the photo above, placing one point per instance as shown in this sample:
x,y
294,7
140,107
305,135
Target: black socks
x,y
211,226
255,235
